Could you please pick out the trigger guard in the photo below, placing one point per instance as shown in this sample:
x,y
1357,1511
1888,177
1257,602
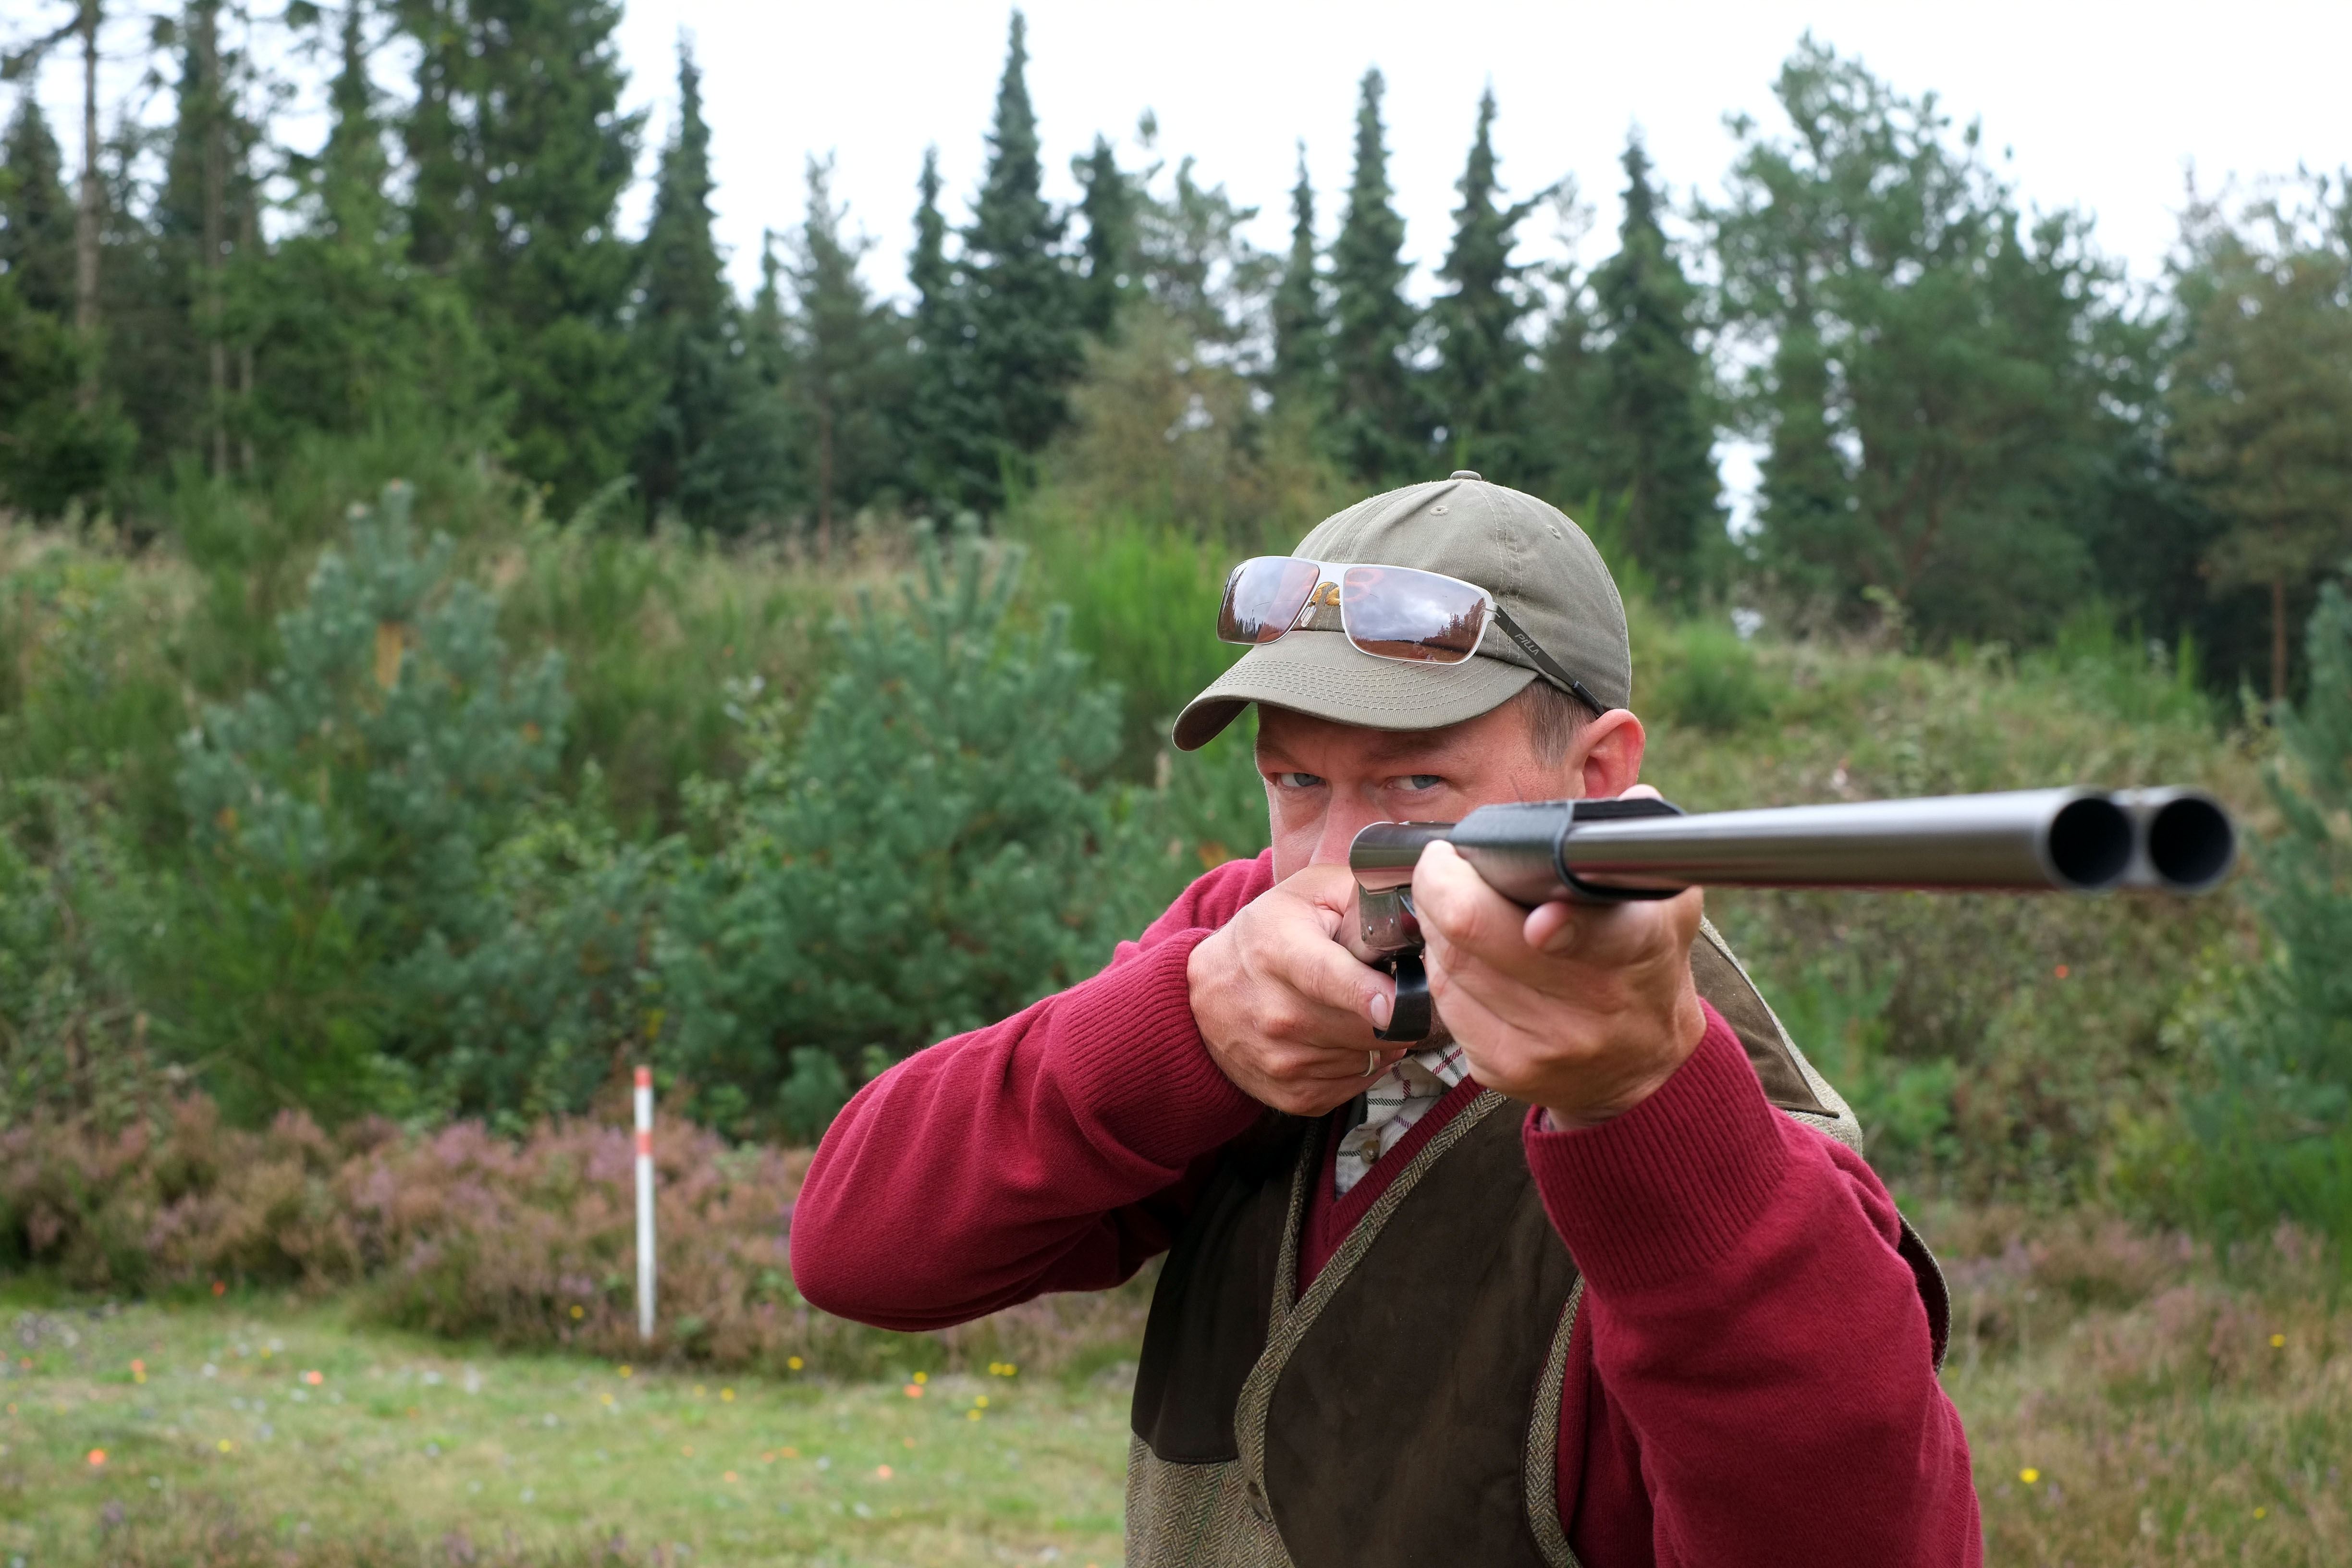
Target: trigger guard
x,y
1410,1015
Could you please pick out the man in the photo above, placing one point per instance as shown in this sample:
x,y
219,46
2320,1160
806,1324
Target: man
x,y
1602,1278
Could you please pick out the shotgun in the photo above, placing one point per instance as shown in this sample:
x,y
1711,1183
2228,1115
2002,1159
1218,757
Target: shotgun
x,y
1608,851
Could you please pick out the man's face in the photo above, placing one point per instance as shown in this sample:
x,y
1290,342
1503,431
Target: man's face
x,y
1324,781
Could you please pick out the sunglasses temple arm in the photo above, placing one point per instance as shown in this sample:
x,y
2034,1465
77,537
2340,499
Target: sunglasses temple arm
x,y
1546,666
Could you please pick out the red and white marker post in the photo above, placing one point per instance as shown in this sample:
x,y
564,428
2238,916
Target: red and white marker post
x,y
645,1203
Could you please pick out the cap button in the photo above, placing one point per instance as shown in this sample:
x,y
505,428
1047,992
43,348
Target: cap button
x,y
1463,474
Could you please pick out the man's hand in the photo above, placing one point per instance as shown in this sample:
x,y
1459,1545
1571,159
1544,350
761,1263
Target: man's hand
x,y
1582,1009
1283,1006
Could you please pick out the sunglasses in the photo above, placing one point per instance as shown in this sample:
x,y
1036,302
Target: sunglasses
x,y
1389,612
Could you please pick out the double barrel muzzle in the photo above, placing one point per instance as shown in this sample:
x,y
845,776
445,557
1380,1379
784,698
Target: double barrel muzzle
x,y
2062,840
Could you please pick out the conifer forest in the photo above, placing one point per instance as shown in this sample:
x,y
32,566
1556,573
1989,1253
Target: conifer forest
x,y
456,646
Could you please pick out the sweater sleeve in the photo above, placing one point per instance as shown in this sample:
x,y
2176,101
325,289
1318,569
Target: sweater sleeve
x,y
1762,1344
1056,1150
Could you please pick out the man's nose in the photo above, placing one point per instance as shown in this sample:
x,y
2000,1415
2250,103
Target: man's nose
x,y
1340,830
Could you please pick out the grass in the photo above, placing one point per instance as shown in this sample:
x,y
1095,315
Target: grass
x,y
208,1410
2130,1399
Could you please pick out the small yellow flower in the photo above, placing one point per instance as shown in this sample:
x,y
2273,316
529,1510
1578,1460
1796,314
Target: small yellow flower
x,y
982,1402
2278,1342
2029,1475
578,1312
625,1372
796,1363
2261,1513
971,1415
727,1395
226,1445
922,1377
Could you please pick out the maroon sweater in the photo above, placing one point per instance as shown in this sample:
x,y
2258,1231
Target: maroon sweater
x,y
1751,1379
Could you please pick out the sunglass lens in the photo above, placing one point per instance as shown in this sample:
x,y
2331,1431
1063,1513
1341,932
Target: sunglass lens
x,y
1263,596
1395,611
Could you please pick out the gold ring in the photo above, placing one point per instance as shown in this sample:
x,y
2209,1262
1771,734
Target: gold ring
x,y
1371,1061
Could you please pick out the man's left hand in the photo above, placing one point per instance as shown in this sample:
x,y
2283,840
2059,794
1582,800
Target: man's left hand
x,y
1584,1010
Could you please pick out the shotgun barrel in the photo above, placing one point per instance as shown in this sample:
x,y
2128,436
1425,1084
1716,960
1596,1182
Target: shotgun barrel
x,y
1606,851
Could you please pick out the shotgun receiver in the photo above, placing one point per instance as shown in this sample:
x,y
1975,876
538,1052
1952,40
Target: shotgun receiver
x,y
1607,851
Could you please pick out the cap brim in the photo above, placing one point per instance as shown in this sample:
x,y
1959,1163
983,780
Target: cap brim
x,y
1322,673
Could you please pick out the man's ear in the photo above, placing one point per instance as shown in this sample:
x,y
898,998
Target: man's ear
x,y
1609,751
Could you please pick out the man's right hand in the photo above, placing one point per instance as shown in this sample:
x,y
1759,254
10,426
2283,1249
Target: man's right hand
x,y
1285,1008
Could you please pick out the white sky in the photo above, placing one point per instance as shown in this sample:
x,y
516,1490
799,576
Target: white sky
x,y
2102,106
2105,105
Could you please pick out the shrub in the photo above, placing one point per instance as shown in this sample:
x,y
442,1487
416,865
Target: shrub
x,y
74,910
1711,680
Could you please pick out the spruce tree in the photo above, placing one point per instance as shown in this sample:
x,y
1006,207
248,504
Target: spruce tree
x,y
521,155
1020,301
1302,321
348,335
37,214
188,381
1108,207
848,362
1376,425
1480,382
711,448
1660,455
954,456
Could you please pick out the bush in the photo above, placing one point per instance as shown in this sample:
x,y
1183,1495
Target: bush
x,y
1711,680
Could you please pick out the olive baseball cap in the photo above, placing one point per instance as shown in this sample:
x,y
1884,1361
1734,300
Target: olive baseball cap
x,y
1538,565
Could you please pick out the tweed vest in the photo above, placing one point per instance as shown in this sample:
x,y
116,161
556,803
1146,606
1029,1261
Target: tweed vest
x,y
1405,1408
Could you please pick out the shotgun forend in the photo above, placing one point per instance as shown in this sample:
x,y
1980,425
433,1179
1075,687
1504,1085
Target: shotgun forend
x,y
1605,851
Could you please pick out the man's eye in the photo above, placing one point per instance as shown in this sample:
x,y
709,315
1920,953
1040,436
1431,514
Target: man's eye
x,y
1295,780
1421,781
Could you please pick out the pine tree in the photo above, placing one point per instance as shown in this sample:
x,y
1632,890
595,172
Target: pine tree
x,y
1660,455
711,448
1108,207
1019,300
1935,376
2260,397
1481,376
1302,321
848,364
37,214
1377,423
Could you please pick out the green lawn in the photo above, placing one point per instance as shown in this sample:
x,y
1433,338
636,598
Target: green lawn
x,y
2126,1405
309,1432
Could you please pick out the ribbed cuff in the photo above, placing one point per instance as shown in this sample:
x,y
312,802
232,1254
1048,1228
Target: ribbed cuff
x,y
1132,1060
1670,1186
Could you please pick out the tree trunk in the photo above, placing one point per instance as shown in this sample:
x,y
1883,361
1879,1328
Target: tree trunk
x,y
248,244
823,477
216,221
86,211
2278,639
